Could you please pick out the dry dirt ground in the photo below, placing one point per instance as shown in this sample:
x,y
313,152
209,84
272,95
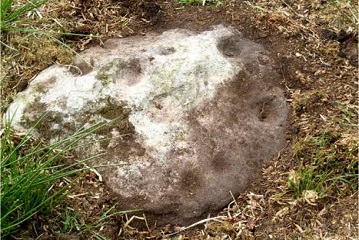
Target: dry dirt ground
x,y
308,192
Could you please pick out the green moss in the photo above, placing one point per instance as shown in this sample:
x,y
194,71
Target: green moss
x,y
45,127
114,116
43,87
103,78
118,114
163,83
35,104
112,111
110,70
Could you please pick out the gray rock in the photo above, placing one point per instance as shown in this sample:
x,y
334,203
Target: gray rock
x,y
192,117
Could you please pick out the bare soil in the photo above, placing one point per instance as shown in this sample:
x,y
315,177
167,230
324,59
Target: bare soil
x,y
316,55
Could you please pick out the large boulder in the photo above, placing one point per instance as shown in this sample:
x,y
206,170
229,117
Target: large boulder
x,y
192,116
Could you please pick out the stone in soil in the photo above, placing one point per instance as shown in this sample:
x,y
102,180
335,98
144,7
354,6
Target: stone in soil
x,y
191,117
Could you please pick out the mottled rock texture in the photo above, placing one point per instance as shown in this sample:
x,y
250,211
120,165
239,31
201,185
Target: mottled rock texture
x,y
192,116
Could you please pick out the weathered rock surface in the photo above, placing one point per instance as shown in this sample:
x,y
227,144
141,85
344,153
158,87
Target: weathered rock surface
x,y
194,115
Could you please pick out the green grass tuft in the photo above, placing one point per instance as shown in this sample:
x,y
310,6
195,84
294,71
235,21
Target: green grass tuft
x,y
30,175
325,166
10,15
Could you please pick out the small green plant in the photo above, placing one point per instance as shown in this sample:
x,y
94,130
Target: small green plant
x,y
307,179
30,175
10,14
70,221
324,166
348,114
